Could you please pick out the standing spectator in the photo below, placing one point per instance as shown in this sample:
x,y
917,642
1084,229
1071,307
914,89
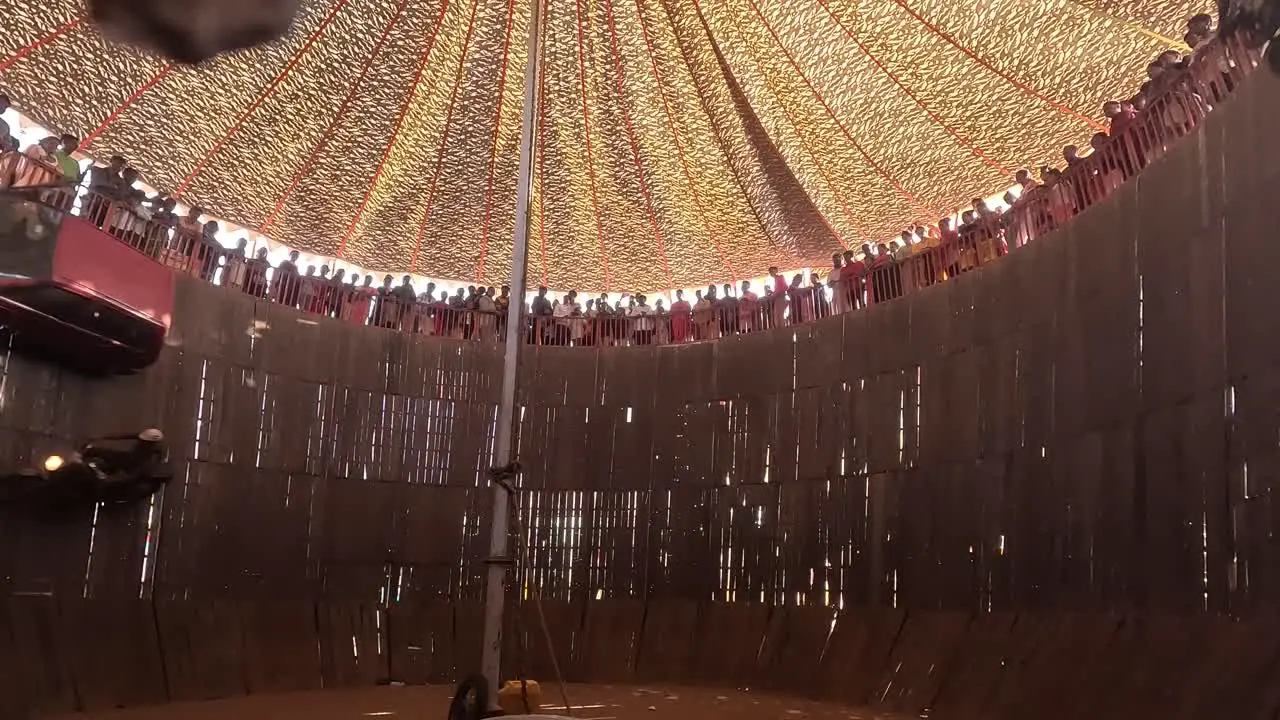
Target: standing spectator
x,y
1024,180
590,323
1199,31
540,312
838,298
105,186
776,301
319,286
405,299
983,211
662,323
925,260
187,235
949,248
969,232
704,316
1058,197
472,320
208,250
234,271
487,302
902,250
5,133
643,321
748,308
339,295
727,310
1107,167
502,303
360,300
70,171
503,307
819,292
66,163
605,322
851,283
880,288
681,324
422,310
486,315
41,165
467,319
1122,117
577,323
306,288
799,298
560,327
384,314
255,281
440,309
160,229
128,222
285,281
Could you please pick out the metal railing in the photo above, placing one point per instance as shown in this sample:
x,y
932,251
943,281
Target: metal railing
x,y
1173,111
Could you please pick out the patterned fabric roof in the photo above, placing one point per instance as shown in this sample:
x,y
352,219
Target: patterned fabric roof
x,y
681,142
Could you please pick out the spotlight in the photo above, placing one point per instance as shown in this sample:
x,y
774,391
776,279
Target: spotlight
x,y
53,463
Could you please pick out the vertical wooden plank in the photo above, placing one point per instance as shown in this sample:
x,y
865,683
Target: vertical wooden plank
x,y
611,639
202,642
421,644
122,665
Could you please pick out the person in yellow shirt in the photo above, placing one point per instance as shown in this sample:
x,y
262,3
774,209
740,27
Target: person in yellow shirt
x,y
926,259
70,171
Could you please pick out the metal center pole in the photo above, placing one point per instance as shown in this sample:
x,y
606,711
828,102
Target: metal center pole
x,y
496,581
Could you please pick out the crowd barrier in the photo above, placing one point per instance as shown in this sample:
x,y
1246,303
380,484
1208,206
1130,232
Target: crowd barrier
x,y
1175,107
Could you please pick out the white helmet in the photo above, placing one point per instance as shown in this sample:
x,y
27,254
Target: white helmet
x,y
151,435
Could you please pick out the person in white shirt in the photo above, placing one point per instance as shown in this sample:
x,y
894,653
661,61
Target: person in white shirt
x,y
564,314
486,315
662,333
5,132
643,322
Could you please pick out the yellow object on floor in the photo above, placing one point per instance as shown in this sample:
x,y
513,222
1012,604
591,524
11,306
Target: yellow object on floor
x,y
514,701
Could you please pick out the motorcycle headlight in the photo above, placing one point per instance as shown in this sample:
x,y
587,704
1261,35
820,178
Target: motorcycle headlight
x,y
53,463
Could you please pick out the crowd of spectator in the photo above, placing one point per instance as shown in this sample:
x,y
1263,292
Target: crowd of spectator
x,y
1167,106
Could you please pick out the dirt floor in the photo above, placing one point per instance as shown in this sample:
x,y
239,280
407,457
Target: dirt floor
x,y
591,702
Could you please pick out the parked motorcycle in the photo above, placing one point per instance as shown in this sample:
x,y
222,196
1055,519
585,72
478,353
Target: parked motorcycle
x,y
96,472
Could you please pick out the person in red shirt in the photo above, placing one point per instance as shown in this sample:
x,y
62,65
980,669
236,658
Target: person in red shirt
x,y
440,308
880,288
851,277
1119,115
780,283
680,318
1122,117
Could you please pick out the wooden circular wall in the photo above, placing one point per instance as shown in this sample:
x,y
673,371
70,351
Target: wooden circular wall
x,y
1042,489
